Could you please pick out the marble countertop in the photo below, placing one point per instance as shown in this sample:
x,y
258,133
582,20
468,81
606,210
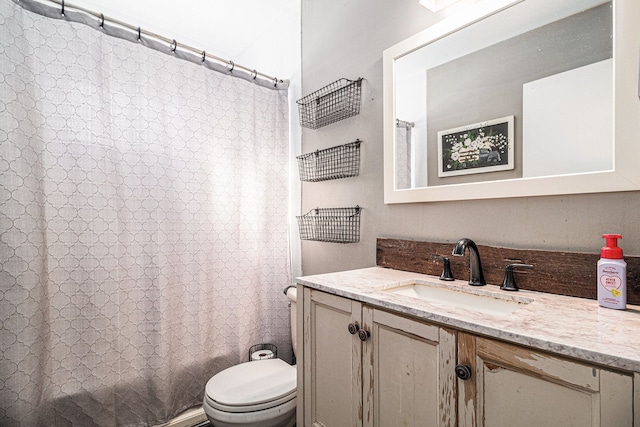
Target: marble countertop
x,y
573,327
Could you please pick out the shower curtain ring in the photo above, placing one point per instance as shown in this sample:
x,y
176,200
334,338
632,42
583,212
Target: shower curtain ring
x,y
139,35
204,55
62,8
102,20
174,45
254,74
233,65
275,82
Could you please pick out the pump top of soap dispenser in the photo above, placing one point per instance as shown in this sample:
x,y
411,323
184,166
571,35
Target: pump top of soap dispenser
x,y
611,250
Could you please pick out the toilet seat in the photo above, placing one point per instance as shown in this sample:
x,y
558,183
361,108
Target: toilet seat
x,y
249,408
252,386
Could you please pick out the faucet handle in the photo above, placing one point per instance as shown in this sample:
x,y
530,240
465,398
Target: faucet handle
x,y
446,268
509,282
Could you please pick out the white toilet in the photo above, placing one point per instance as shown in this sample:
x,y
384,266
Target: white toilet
x,y
261,393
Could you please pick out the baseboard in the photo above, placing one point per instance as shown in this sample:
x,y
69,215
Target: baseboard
x,y
188,418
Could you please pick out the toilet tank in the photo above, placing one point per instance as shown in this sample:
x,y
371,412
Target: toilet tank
x,y
292,295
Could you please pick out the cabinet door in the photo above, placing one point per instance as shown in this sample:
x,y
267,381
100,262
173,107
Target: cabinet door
x,y
332,361
409,372
517,386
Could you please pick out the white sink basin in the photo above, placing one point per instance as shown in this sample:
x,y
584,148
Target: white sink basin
x,y
477,299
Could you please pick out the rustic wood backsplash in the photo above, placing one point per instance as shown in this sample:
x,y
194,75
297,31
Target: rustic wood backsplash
x,y
563,273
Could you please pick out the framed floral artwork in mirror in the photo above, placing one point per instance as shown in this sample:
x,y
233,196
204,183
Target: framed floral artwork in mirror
x,y
477,148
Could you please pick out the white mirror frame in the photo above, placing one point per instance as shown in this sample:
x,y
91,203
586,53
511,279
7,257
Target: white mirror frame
x,y
625,175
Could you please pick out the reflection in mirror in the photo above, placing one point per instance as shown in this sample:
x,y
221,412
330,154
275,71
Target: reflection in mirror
x,y
550,68
568,122
405,168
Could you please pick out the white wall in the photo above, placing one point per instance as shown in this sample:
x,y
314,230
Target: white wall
x,y
346,38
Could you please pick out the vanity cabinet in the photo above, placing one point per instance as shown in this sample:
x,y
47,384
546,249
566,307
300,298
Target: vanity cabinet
x,y
364,366
367,367
512,385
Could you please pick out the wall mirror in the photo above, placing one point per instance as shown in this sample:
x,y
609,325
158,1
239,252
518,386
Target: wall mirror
x,y
512,99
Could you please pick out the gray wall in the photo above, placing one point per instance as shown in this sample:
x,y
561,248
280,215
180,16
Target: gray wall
x,y
345,38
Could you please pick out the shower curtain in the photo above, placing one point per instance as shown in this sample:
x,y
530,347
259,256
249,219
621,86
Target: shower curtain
x,y
143,226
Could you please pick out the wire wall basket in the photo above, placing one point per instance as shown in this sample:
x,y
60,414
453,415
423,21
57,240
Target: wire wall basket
x,y
336,225
332,103
342,161
263,352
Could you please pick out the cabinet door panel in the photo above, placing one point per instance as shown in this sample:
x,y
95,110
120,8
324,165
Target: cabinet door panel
x,y
518,386
405,385
513,398
617,399
541,364
333,396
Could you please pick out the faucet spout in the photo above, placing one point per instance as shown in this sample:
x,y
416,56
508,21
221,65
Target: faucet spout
x,y
476,276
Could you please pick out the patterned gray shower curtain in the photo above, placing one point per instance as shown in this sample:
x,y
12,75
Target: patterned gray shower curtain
x,y
143,226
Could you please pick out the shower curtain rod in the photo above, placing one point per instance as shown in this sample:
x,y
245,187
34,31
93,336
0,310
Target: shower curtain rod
x,y
74,13
404,123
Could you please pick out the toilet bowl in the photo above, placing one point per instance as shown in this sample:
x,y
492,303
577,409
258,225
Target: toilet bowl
x,y
260,393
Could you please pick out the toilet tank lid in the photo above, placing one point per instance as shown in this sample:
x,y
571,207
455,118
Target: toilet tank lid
x,y
292,293
252,383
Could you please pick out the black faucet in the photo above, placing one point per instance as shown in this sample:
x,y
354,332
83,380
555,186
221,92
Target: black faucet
x,y
446,268
509,282
476,277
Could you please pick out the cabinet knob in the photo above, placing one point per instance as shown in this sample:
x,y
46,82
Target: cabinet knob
x,y
463,372
353,328
363,335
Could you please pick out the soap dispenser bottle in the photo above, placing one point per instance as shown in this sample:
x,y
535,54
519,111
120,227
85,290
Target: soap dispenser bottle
x,y
612,275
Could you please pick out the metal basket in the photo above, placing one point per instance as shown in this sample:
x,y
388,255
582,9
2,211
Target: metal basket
x,y
342,161
332,103
336,225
